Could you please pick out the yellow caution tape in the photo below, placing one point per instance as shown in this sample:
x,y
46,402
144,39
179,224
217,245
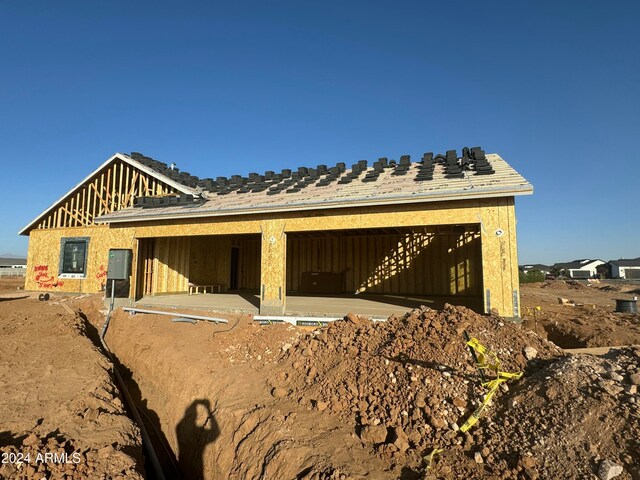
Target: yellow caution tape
x,y
487,360
429,458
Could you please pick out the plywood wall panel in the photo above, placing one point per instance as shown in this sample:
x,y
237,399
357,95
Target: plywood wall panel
x,y
171,265
210,261
249,277
43,259
273,271
450,213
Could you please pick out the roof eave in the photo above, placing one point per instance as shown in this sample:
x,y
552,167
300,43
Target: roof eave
x,y
526,189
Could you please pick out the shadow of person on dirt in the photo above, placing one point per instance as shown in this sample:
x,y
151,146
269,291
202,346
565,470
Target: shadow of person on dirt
x,y
194,432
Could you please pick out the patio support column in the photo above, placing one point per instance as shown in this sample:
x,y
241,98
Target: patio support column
x,y
500,257
273,278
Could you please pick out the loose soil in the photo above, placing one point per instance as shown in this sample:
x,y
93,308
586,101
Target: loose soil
x,y
11,284
594,324
57,395
361,399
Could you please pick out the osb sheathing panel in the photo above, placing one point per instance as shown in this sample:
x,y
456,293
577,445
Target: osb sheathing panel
x,y
273,267
144,272
171,265
210,261
249,274
499,257
43,259
421,264
513,255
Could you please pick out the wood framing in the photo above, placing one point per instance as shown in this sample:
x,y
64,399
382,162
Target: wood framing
x,y
442,264
106,192
489,264
112,187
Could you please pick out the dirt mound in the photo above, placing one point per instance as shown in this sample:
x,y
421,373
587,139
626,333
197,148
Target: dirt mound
x,y
563,285
204,389
11,284
407,384
56,390
565,420
609,288
578,327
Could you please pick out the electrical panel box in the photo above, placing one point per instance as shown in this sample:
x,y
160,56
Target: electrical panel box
x,y
119,267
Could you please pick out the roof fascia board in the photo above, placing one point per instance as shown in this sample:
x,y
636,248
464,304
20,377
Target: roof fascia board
x,y
118,156
227,213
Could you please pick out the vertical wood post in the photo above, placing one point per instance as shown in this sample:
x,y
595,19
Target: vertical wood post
x,y
273,277
500,258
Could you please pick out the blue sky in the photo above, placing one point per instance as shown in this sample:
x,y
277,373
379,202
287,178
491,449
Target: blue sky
x,y
553,87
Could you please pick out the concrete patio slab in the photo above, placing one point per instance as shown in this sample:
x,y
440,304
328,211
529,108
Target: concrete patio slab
x,y
303,305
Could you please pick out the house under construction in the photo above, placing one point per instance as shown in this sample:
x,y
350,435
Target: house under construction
x,y
441,228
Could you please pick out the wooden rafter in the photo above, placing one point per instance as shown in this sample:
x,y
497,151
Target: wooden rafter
x,y
113,188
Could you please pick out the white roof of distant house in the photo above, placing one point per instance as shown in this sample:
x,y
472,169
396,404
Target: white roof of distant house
x,y
576,264
535,266
11,261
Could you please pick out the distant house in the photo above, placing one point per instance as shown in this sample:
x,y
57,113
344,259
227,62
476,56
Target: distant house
x,y
546,269
12,267
628,268
13,262
583,268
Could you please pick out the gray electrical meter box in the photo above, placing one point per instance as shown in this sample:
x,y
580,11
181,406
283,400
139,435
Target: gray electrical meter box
x,y
119,267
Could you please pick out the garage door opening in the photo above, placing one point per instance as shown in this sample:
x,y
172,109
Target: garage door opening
x,y
212,264
406,266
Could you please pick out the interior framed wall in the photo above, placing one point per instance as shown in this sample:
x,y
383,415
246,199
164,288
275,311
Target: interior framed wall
x,y
438,261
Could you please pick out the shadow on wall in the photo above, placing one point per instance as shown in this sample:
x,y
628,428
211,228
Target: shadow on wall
x,y
196,429
449,265
443,262
401,258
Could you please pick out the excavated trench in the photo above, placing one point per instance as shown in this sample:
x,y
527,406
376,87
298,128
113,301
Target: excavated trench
x,y
205,398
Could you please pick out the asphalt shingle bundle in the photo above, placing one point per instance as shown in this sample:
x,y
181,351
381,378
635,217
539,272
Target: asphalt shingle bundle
x,y
472,162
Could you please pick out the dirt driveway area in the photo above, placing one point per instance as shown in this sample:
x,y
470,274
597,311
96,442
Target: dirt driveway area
x,y
590,321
